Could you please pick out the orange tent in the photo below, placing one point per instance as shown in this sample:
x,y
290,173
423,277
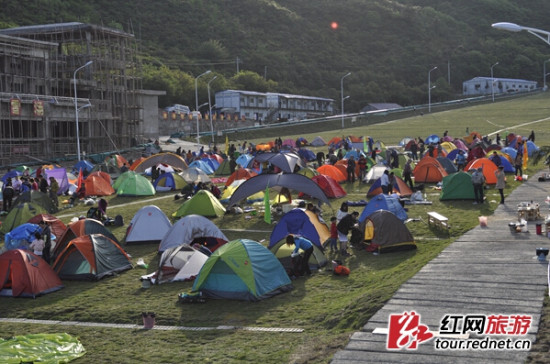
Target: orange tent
x,y
334,141
488,166
355,139
57,227
116,160
106,176
241,173
98,186
344,162
26,275
428,170
136,163
265,147
332,171
79,228
91,257
399,187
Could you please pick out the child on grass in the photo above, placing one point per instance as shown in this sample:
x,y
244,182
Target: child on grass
x,y
333,240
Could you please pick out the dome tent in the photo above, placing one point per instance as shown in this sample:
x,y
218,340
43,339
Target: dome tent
x,y
26,275
149,225
386,232
242,270
91,257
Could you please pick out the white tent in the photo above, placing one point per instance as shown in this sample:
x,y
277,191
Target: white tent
x,y
374,173
149,225
178,264
192,227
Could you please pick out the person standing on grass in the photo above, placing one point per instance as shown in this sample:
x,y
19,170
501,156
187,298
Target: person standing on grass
x,y
385,182
342,212
54,188
518,164
351,169
477,181
501,182
344,227
407,173
306,246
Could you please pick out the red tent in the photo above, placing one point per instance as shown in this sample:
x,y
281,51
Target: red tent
x,y
330,187
26,275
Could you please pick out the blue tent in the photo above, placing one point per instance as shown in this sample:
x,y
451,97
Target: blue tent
x,y
242,270
354,153
10,174
512,152
384,202
214,164
431,139
295,222
453,153
307,154
244,160
203,166
531,148
508,167
84,165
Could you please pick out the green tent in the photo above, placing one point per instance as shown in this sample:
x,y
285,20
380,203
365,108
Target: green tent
x,y
224,169
120,179
19,215
457,186
203,203
37,198
134,184
243,270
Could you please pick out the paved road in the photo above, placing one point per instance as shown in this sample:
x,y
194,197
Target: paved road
x,y
487,271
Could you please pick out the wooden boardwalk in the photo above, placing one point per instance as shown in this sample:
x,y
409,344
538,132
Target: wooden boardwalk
x,y
486,271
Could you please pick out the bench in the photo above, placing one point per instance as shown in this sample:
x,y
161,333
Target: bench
x,y
438,220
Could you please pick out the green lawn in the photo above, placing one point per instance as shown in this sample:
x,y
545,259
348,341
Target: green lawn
x,y
327,307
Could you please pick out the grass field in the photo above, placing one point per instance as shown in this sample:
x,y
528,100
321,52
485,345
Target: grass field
x,y
327,307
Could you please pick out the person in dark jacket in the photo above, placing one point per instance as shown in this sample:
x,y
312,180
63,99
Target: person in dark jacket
x,y
7,195
347,223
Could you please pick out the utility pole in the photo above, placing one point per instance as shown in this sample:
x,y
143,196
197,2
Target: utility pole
x,y
238,60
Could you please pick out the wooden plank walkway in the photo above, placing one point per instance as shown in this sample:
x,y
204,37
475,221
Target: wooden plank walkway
x,y
486,271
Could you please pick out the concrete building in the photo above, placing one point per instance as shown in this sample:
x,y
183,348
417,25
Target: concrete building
x,y
270,107
38,107
479,86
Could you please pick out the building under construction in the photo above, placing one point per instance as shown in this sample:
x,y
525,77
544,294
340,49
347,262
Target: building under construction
x,y
53,75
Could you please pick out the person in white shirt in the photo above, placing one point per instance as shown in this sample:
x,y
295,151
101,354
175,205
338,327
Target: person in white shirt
x,y
37,244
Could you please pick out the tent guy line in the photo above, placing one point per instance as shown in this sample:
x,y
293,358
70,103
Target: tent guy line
x,y
158,327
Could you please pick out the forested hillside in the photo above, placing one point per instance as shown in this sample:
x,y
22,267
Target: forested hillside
x,y
290,45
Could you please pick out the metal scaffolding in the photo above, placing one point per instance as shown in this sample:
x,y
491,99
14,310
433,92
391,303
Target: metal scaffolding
x,y
37,101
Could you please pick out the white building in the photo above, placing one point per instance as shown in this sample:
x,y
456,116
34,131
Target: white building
x,y
268,107
482,86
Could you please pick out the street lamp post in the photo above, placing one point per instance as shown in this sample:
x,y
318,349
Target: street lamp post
x,y
544,73
511,27
197,103
342,95
76,110
430,89
493,82
210,108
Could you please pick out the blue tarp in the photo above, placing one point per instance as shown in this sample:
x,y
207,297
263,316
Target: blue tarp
x,y
21,236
